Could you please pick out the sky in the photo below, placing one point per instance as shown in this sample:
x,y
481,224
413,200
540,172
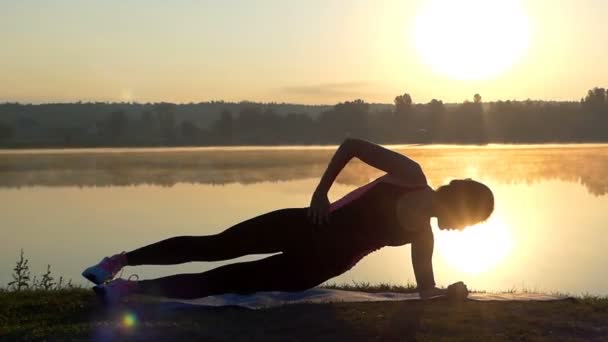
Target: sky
x,y
312,52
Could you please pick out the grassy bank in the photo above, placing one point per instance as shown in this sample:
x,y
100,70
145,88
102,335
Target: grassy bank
x,y
76,315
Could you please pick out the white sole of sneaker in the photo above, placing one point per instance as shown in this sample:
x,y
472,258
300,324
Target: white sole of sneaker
x,y
95,275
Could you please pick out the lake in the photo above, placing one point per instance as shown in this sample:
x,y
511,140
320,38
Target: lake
x,y
69,208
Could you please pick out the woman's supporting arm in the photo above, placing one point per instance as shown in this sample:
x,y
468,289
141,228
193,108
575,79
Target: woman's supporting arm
x,y
422,261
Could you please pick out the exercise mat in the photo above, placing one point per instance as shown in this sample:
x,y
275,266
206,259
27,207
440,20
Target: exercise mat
x,y
263,300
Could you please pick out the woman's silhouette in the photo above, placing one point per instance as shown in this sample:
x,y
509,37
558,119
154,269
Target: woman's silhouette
x,y
314,243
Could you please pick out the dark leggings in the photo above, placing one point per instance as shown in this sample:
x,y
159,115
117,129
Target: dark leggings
x,y
298,267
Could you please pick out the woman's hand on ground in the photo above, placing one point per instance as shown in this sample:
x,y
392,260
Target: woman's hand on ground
x,y
458,291
318,212
432,292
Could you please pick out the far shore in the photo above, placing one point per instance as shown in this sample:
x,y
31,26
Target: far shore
x,y
122,149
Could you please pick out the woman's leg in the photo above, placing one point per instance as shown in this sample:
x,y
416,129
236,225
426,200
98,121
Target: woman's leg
x,y
281,272
272,232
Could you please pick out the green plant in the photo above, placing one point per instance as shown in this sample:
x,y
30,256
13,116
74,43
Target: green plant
x,y
46,282
65,286
21,275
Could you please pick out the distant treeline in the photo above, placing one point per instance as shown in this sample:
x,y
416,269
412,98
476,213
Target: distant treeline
x,y
248,123
585,165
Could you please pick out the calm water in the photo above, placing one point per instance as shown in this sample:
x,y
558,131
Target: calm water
x,y
69,208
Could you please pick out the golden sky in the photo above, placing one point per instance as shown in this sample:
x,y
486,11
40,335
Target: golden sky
x,y
314,51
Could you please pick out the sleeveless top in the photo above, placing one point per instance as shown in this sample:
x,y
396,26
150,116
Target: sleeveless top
x,y
363,221
371,217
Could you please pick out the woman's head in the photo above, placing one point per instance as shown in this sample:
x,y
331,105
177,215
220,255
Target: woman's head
x,y
463,203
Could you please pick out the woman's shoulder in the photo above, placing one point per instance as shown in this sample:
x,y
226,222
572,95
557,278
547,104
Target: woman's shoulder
x,y
400,183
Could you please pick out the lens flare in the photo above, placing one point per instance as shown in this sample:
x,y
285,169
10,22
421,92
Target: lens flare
x,y
129,320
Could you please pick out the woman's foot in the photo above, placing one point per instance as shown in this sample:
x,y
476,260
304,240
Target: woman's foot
x,y
106,269
114,291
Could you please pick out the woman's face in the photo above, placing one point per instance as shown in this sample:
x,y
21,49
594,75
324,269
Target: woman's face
x,y
448,221
452,212
463,203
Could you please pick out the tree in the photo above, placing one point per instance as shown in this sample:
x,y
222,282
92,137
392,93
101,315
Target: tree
x,y
402,128
297,128
247,126
596,99
345,119
6,131
596,113
465,123
147,121
148,129
223,127
166,120
189,131
436,117
436,107
117,124
477,98
403,104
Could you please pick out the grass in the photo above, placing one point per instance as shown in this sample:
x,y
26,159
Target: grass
x,y
368,287
40,309
75,314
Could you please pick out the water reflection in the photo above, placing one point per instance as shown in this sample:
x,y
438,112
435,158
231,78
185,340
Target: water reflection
x,y
476,249
69,209
585,164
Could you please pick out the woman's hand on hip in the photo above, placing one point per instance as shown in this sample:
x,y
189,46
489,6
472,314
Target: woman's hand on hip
x,y
318,212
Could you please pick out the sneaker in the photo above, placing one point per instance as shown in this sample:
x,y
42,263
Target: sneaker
x,y
106,269
113,291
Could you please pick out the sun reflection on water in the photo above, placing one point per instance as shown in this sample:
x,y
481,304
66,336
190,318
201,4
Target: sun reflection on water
x,y
477,248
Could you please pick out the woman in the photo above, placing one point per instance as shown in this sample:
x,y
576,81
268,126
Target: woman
x,y
316,243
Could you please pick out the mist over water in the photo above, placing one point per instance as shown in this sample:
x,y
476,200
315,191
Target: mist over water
x,y
70,208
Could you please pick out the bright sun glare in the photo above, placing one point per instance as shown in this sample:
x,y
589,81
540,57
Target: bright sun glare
x,y
477,248
471,39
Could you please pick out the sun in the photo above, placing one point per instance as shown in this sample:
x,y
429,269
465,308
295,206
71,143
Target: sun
x,y
471,39
476,249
